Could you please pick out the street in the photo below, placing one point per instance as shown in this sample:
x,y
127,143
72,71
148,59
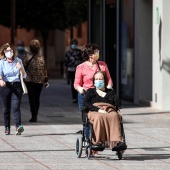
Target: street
x,y
50,143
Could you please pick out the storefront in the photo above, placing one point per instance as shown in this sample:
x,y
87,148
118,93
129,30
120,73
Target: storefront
x,y
111,26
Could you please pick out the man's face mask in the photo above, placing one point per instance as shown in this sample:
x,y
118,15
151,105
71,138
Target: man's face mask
x,y
96,55
20,48
99,84
73,46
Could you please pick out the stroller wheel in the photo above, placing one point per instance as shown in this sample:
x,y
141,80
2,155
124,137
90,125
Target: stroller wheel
x,y
79,145
119,154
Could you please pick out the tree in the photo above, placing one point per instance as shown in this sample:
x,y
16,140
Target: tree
x,y
45,15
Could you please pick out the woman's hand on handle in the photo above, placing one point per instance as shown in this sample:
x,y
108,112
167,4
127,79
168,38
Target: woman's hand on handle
x,y
81,90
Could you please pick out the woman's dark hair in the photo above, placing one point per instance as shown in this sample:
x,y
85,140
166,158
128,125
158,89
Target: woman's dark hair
x,y
104,76
74,41
20,43
87,50
34,46
4,47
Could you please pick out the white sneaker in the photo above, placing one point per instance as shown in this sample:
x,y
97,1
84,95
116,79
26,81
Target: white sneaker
x,y
19,130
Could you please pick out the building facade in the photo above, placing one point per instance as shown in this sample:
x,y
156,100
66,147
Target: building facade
x,y
133,37
161,56
57,44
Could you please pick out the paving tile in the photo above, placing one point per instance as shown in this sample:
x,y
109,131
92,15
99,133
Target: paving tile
x,y
50,143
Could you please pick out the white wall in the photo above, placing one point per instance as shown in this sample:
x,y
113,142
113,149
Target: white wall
x,y
161,55
166,55
157,54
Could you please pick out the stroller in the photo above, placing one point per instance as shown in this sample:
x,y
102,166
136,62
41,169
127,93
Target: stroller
x,y
84,140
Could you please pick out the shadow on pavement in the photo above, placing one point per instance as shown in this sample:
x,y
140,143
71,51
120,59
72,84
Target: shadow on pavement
x,y
143,157
50,134
61,150
151,113
56,106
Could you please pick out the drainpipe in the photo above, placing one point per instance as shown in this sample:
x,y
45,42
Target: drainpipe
x,y
12,21
104,30
117,49
89,21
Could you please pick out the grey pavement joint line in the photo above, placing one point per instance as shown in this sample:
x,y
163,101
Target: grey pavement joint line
x,y
55,139
25,154
74,149
146,135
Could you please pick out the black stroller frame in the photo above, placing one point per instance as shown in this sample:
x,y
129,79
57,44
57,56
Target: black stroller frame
x,y
84,140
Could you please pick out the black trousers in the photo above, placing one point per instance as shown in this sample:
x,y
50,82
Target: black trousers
x,y
11,96
34,92
72,77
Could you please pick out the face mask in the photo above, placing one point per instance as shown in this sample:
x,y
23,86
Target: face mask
x,y
20,48
96,56
73,46
9,54
99,84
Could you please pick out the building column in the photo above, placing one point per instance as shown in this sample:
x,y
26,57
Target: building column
x,y
161,55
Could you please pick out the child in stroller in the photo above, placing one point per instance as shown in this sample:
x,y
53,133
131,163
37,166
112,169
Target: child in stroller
x,y
103,125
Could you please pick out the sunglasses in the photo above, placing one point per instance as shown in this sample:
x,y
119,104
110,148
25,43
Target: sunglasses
x,y
6,51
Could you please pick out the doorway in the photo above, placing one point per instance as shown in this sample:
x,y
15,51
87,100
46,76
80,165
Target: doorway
x,y
110,40
126,49
111,26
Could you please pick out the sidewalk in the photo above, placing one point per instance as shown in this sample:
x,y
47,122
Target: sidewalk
x,y
50,143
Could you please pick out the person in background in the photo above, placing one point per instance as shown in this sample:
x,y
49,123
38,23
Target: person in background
x,y
36,70
102,105
10,86
72,59
21,49
86,70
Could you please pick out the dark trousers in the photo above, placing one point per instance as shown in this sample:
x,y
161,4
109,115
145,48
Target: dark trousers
x,y
68,78
11,96
80,101
72,77
34,92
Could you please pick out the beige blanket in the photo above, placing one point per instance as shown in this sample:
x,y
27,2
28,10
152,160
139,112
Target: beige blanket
x,y
106,127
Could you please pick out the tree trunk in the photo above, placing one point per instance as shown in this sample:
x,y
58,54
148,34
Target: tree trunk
x,y
45,38
13,22
71,33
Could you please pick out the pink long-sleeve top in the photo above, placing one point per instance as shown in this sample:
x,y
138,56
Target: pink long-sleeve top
x,y
84,75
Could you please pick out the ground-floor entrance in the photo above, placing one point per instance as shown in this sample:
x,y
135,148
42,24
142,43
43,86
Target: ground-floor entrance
x,y
111,26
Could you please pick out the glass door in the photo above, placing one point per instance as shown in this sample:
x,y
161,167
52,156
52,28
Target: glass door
x,y
127,49
110,39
